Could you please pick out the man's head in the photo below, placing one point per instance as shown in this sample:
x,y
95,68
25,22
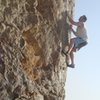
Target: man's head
x,y
83,18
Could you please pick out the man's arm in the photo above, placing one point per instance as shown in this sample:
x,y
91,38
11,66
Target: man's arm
x,y
73,31
72,21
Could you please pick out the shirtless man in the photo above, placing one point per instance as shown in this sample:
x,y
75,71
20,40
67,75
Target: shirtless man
x,y
79,41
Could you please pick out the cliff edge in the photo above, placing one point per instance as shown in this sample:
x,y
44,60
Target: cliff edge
x,y
32,35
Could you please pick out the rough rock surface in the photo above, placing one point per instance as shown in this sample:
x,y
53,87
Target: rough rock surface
x,y
32,35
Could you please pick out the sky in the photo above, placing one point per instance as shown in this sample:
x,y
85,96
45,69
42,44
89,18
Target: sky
x,y
83,82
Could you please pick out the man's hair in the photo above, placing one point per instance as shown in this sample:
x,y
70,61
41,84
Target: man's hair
x,y
85,18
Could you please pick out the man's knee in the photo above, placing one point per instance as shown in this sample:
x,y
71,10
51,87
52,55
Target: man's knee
x,y
82,45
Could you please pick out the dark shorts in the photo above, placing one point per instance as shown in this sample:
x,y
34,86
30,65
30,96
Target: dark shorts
x,y
79,43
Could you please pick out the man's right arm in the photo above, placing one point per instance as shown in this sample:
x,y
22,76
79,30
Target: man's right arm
x,y
72,21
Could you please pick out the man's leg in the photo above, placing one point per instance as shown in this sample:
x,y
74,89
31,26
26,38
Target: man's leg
x,y
71,45
72,65
71,53
72,57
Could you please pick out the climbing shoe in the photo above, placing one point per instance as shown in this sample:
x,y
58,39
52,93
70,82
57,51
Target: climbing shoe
x,y
71,65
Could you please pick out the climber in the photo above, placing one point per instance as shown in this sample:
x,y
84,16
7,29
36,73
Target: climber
x,y
79,41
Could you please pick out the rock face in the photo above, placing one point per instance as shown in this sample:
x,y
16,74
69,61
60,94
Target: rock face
x,y
32,35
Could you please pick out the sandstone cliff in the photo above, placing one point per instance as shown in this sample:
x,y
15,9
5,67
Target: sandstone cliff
x,y
32,35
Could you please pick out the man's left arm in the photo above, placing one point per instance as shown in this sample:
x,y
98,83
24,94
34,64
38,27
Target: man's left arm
x,y
73,31
72,21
